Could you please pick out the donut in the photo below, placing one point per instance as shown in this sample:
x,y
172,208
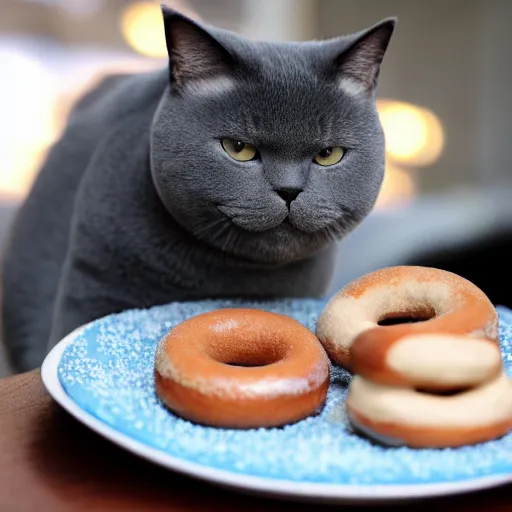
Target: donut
x,y
446,302
438,382
241,368
452,391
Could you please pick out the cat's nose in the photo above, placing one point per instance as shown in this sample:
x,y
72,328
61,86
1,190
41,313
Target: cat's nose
x,y
289,194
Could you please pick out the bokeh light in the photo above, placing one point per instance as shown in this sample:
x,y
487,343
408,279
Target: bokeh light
x,y
142,26
414,135
28,99
398,188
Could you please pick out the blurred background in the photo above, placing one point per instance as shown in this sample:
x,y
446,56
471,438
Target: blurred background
x,y
443,100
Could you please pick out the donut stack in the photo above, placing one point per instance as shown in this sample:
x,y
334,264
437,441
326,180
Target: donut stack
x,y
423,346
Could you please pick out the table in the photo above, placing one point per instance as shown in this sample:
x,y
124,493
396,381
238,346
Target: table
x,y
50,462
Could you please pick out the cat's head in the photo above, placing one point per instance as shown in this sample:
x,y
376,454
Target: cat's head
x,y
269,151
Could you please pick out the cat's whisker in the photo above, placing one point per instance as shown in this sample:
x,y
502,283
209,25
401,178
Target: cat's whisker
x,y
235,239
225,227
333,232
329,234
208,227
245,207
226,241
224,254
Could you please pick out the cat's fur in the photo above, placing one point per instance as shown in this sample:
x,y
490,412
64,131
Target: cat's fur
x,y
138,204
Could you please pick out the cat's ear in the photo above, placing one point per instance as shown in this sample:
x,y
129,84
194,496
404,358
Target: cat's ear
x,y
358,66
194,55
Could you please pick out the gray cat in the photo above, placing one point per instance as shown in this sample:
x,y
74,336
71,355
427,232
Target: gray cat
x,y
230,173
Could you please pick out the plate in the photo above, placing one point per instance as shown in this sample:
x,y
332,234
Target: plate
x,y
102,374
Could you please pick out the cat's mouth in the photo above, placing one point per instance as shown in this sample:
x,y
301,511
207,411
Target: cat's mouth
x,y
262,237
254,220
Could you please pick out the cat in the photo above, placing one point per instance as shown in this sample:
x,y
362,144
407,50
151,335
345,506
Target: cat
x,y
230,173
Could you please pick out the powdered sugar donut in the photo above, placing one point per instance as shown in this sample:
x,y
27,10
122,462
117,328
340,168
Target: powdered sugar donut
x,y
435,383
448,303
442,398
242,368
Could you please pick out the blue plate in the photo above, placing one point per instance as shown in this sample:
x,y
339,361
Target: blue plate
x,y
105,375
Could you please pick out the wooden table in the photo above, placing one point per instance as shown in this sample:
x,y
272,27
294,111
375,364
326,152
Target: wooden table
x,y
50,462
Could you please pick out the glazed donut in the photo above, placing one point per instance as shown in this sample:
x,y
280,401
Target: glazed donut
x,y
450,303
457,391
241,368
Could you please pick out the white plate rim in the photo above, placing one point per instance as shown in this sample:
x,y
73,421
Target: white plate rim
x,y
338,493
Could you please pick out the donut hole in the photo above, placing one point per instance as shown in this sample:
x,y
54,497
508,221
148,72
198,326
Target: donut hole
x,y
386,322
396,318
246,364
442,392
252,360
248,353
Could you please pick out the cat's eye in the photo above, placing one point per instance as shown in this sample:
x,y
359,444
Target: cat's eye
x,y
239,150
329,156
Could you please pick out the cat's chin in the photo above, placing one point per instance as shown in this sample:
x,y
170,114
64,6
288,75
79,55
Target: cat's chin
x,y
280,245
